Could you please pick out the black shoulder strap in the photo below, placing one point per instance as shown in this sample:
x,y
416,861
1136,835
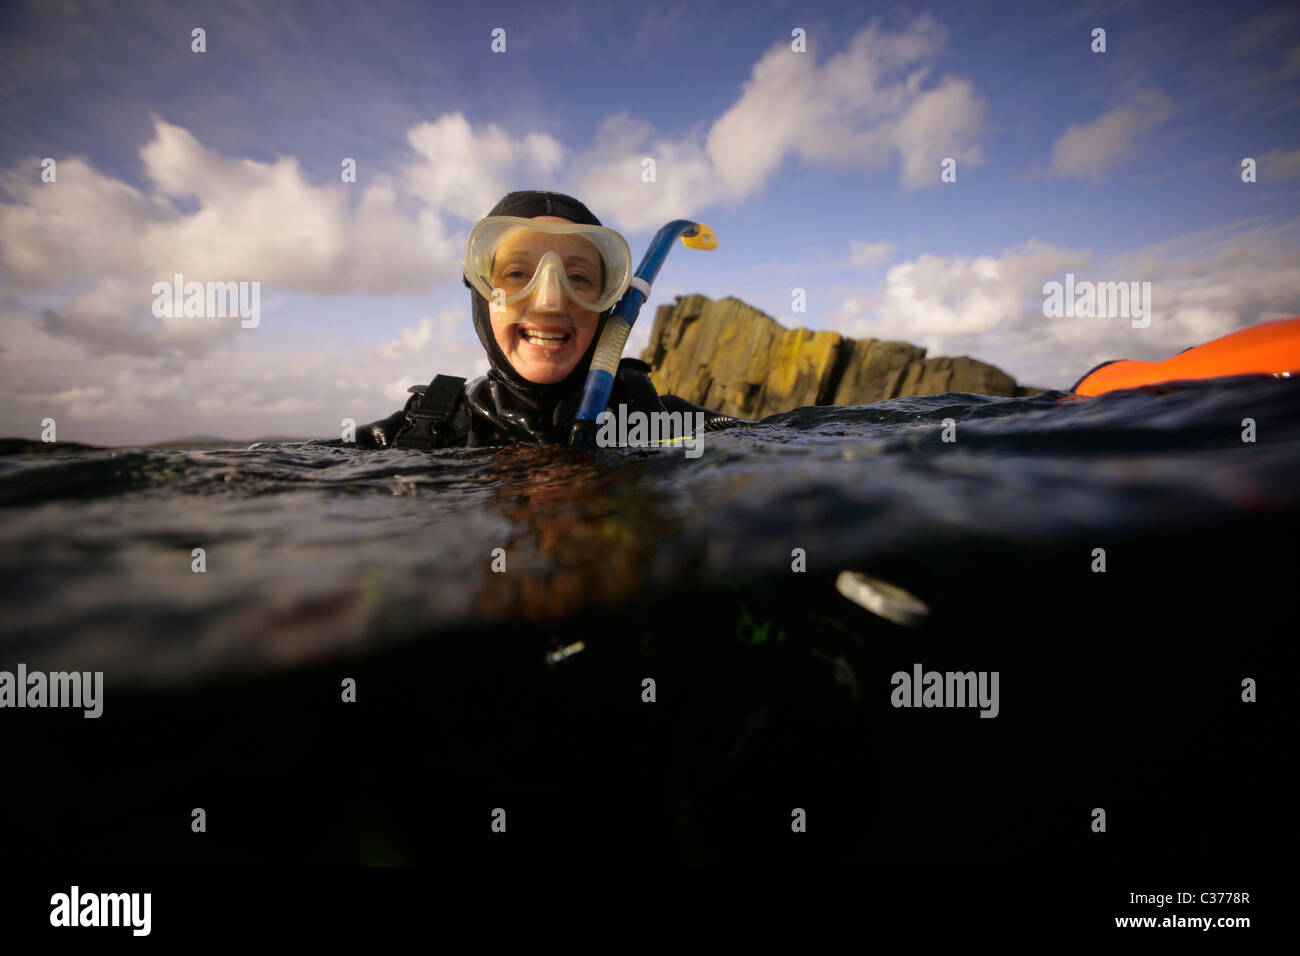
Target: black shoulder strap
x,y
427,418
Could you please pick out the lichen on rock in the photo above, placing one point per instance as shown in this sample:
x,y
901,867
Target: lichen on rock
x,y
731,357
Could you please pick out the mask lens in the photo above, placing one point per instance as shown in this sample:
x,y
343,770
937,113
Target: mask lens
x,y
591,265
519,256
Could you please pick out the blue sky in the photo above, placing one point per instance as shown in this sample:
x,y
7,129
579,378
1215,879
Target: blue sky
x,y
818,170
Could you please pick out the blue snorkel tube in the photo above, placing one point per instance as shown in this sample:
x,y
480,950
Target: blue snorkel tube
x,y
609,351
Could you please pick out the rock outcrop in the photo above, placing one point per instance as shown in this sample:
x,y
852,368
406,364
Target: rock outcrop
x,y
729,356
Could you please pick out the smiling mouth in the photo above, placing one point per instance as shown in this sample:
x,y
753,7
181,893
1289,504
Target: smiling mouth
x,y
545,338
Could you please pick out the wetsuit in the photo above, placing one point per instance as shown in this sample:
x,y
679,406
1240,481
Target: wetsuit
x,y
491,413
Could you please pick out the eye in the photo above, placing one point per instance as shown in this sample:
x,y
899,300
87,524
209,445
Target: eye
x,y
579,278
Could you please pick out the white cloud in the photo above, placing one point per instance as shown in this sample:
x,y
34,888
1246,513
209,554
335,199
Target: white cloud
x,y
869,253
416,340
265,222
53,233
608,175
940,123
104,243
932,300
864,106
465,171
861,109
115,316
237,390
1088,150
991,307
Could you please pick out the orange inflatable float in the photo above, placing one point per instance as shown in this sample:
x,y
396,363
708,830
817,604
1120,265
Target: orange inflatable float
x,y
1269,348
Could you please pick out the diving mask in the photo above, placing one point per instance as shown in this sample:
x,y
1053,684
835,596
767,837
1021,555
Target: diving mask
x,y
508,258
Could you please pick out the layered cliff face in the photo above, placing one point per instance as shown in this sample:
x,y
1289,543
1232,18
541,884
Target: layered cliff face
x,y
729,356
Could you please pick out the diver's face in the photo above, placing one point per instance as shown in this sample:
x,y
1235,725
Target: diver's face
x,y
545,358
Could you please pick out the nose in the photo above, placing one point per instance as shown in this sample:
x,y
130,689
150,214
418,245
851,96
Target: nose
x,y
548,296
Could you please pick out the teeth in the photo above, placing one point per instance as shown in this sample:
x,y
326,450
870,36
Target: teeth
x,y
539,336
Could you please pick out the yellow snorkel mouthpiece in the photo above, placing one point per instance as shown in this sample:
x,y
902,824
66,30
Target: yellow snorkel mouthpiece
x,y
703,238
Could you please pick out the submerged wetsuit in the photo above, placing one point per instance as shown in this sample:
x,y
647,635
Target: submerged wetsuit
x,y
503,407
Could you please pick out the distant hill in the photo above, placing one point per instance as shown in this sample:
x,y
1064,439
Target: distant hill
x,y
26,446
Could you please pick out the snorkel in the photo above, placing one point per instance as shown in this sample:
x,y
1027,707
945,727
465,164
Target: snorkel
x,y
609,350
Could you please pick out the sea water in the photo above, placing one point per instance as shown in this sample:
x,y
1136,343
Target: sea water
x,y
1126,564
